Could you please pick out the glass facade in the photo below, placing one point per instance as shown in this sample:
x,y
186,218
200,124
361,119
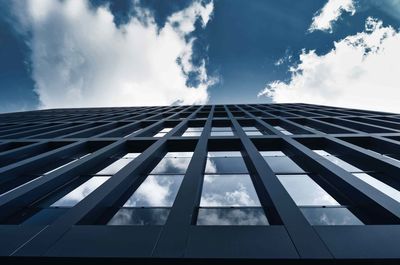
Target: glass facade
x,y
152,200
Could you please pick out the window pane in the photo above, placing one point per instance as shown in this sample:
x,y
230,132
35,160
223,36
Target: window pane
x,y
131,155
156,191
224,154
272,153
78,194
191,133
179,154
231,216
282,164
282,130
114,167
172,165
346,166
228,190
253,133
221,129
194,129
225,165
140,216
330,216
230,133
379,185
249,128
305,191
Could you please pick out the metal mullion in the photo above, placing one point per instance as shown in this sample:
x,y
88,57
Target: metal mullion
x,y
107,125
60,132
357,190
187,200
132,124
107,194
159,123
312,131
368,125
29,132
307,242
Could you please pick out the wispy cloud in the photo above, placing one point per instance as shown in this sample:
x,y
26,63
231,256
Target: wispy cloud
x,y
324,19
361,71
80,57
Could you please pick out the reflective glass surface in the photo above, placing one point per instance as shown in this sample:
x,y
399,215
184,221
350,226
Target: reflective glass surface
x,y
225,165
194,129
231,216
227,133
282,164
305,191
228,190
140,216
179,154
163,132
253,133
191,133
379,185
156,191
330,216
343,164
224,154
249,128
221,129
272,153
282,130
78,194
114,167
172,165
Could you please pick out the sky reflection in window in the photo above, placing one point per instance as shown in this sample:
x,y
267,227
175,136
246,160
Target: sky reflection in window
x,y
228,190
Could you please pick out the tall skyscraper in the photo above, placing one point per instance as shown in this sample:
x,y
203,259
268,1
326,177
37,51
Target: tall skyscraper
x,y
213,184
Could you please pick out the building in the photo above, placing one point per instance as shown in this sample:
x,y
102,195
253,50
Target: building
x,y
285,183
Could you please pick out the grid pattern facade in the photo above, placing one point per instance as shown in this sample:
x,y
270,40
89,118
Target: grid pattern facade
x,y
212,183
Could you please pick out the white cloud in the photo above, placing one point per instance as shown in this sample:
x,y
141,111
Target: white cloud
x,y
361,71
332,10
81,58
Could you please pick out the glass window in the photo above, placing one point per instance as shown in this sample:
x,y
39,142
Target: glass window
x,y
150,203
163,132
337,161
228,190
231,216
172,165
118,165
379,185
225,165
140,216
156,191
305,191
224,154
272,153
251,130
179,154
193,131
330,216
221,131
282,130
78,194
282,164
191,134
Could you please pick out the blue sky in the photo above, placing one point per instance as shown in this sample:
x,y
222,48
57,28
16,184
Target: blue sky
x,y
127,53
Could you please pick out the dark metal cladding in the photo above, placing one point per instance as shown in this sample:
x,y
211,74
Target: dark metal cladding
x,y
223,184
